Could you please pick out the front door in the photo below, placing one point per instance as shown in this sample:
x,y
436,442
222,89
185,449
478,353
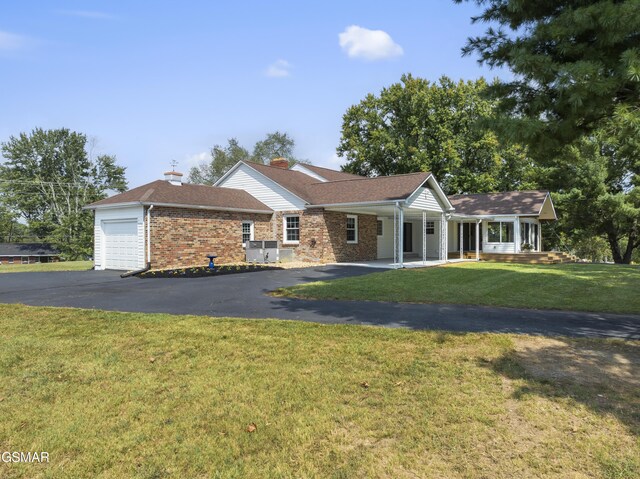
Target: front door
x,y
469,237
407,238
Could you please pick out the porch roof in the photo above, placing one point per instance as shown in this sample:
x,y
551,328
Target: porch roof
x,y
520,203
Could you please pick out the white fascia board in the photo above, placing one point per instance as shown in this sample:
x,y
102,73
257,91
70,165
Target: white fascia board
x,y
301,168
357,203
112,205
201,207
548,197
455,216
175,205
442,196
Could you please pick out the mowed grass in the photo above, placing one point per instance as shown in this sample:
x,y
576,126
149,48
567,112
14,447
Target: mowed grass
x,y
115,395
573,286
40,267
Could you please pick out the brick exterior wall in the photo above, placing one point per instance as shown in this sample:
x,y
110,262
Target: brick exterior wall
x,y
5,260
183,237
323,236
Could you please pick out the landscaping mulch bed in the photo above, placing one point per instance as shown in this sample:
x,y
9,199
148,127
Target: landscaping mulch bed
x,y
203,271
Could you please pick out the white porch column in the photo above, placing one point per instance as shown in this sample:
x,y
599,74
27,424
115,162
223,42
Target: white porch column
x,y
461,226
539,236
445,223
478,240
424,237
401,237
395,235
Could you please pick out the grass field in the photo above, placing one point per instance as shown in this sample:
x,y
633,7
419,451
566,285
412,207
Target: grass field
x,y
580,287
115,395
39,267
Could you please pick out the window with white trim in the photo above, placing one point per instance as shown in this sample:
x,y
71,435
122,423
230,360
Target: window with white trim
x,y
247,232
500,231
25,259
379,229
352,229
291,224
430,227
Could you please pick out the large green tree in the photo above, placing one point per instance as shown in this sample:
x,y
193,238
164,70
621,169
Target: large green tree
x,y
274,145
11,230
416,125
575,102
596,190
48,176
575,63
222,158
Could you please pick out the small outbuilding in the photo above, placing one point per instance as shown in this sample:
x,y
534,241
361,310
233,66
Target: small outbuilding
x,y
28,253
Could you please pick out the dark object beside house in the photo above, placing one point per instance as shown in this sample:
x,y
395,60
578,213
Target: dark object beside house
x,y
27,253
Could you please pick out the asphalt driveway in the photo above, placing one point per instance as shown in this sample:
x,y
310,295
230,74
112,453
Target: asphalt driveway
x,y
244,295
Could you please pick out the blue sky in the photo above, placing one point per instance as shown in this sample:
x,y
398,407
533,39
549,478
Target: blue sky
x,y
156,81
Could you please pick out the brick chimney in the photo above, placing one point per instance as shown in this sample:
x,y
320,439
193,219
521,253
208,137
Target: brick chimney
x,y
173,177
280,163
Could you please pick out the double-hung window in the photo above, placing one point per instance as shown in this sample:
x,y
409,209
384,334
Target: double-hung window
x,y
430,227
291,229
247,232
352,229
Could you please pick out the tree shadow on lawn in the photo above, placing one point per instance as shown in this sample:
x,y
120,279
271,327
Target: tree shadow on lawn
x,y
602,375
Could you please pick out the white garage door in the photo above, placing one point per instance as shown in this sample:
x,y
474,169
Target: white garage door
x,y
121,244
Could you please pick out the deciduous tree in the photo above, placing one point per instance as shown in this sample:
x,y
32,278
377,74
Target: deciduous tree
x,y
48,176
416,125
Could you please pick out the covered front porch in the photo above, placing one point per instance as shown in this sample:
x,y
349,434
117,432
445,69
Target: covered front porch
x,y
406,236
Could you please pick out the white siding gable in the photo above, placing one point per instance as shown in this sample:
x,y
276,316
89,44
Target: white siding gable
x,y
424,199
300,168
262,188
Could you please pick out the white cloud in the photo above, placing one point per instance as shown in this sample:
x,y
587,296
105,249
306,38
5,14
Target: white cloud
x,y
196,159
279,69
359,42
11,41
88,14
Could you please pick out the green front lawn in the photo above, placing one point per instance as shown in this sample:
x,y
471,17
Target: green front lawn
x,y
116,395
580,287
39,267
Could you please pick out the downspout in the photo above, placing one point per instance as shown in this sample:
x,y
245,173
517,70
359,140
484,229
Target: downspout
x,y
149,235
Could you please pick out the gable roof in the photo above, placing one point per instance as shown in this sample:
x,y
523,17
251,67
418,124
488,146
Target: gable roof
x,y
349,189
162,192
329,174
28,249
528,203
293,181
363,190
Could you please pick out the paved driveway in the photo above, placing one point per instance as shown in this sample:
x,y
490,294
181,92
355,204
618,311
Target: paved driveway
x,y
243,295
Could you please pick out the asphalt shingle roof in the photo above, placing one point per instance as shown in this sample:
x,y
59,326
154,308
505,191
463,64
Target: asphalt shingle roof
x,y
161,191
508,203
27,249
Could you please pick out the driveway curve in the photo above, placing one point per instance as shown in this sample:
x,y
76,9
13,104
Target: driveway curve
x,y
245,296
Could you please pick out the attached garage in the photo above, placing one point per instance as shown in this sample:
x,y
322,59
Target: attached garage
x,y
121,244
119,238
